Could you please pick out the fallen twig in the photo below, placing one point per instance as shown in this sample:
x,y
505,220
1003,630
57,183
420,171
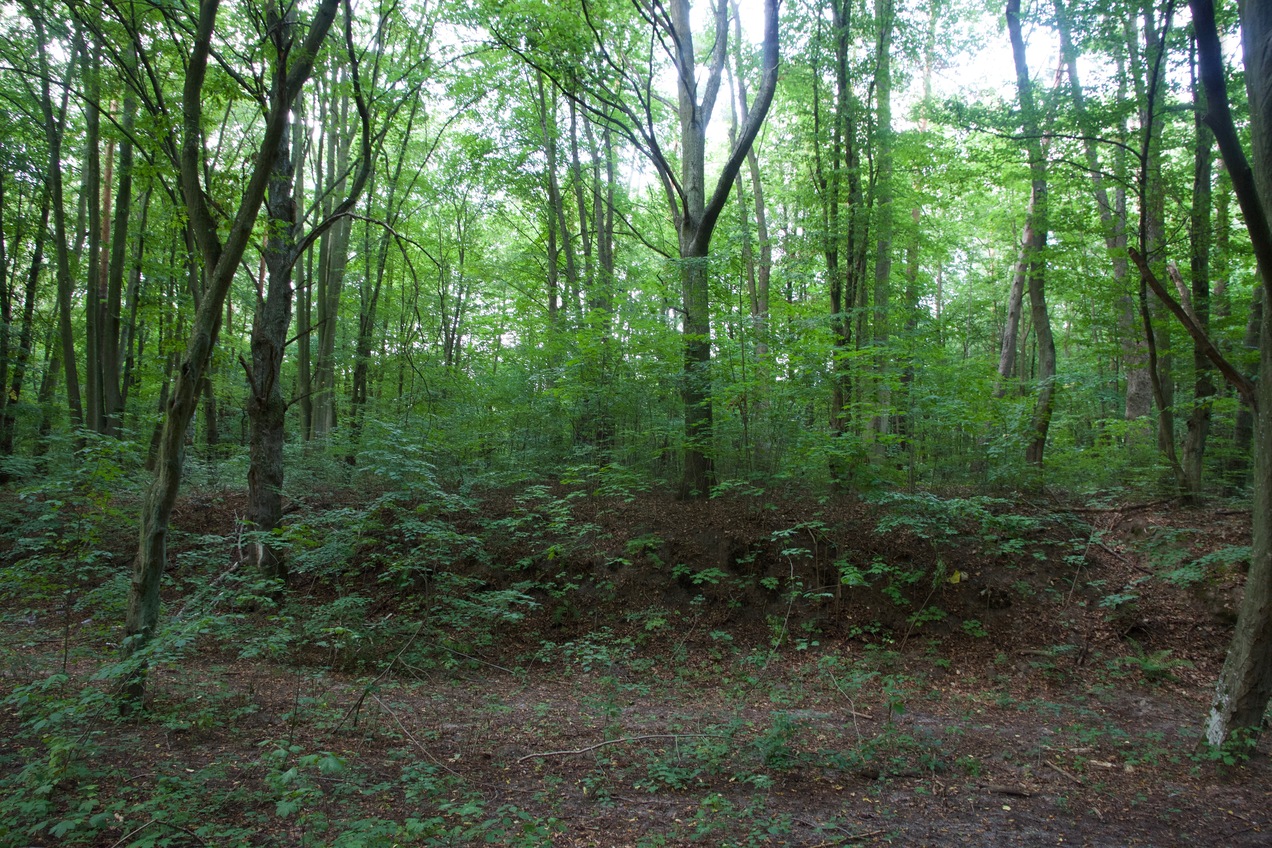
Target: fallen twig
x,y
577,751
1061,771
1120,508
357,705
1002,789
133,833
423,750
476,659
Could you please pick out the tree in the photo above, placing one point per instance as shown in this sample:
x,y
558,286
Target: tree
x,y
622,95
1034,244
1245,683
219,260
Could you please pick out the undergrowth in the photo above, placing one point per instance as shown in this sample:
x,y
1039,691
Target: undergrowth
x,y
420,589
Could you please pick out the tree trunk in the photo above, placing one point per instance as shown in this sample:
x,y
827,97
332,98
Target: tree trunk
x,y
54,128
1153,242
1015,305
1034,245
1199,237
1245,684
555,217
1112,219
112,306
220,261
26,336
845,243
94,278
131,340
696,216
332,260
266,409
885,15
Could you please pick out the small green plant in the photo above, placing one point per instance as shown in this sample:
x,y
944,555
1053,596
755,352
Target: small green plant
x,y
1155,667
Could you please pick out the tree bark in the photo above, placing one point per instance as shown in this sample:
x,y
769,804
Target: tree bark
x,y
266,408
696,216
26,336
1245,683
1034,246
54,129
220,261
1015,305
845,243
94,276
332,260
1199,238
112,306
885,15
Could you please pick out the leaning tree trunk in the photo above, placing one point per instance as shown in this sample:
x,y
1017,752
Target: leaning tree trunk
x,y
1245,684
220,262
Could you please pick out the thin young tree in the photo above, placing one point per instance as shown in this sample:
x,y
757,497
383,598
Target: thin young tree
x,y
623,94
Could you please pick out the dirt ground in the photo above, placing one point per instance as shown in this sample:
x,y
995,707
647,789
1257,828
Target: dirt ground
x,y
709,677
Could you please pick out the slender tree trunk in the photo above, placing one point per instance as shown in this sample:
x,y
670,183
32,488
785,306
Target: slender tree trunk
x,y
94,279
885,15
1034,246
1153,246
44,397
1199,237
220,261
130,341
22,356
845,241
8,291
554,203
333,258
54,127
1135,353
112,318
1015,305
266,408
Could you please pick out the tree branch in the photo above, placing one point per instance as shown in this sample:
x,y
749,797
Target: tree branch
x,y
1243,385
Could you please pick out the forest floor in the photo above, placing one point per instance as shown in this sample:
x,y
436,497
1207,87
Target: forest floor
x,y
593,669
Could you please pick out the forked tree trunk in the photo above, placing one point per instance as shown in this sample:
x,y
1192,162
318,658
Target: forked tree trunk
x,y
696,215
266,408
220,262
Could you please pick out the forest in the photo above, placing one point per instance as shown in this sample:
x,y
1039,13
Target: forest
x,y
635,422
